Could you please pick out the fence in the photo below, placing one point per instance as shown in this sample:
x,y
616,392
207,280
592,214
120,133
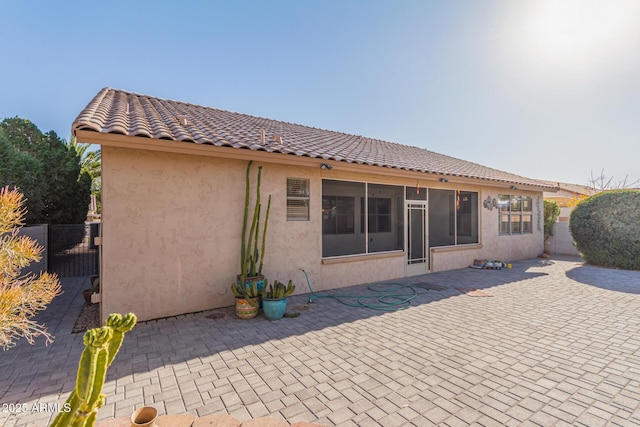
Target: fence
x,y
72,251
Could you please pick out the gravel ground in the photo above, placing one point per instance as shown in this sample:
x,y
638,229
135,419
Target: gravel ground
x,y
88,318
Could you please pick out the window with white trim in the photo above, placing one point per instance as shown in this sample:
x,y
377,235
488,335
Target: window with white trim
x,y
297,199
515,213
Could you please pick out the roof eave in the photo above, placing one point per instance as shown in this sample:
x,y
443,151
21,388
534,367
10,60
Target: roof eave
x,y
143,143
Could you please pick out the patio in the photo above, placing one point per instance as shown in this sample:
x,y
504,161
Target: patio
x,y
556,343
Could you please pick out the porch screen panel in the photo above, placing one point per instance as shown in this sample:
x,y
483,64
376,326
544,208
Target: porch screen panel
x,y
342,231
386,218
467,217
442,210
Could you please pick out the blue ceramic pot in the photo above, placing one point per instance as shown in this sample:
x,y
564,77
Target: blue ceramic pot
x,y
274,308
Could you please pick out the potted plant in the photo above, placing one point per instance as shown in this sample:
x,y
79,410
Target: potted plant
x,y
95,288
274,299
247,300
252,258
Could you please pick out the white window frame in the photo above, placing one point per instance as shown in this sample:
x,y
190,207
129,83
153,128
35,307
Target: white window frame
x,y
297,201
516,214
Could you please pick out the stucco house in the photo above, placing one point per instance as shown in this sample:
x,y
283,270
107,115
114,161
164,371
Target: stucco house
x,y
346,208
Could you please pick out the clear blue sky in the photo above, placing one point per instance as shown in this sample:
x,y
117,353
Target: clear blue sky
x,y
546,89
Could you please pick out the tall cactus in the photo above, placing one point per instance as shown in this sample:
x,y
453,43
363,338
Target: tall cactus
x,y
243,248
101,346
250,256
264,235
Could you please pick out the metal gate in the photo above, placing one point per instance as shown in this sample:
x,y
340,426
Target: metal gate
x,y
72,251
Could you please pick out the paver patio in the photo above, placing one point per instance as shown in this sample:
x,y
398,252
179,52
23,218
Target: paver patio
x,y
558,343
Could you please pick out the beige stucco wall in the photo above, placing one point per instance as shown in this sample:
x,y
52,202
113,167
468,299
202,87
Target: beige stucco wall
x,y
561,243
172,224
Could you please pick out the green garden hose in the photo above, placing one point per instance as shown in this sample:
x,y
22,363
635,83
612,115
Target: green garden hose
x,y
385,296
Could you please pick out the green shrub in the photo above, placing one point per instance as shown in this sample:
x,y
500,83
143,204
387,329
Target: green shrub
x,y
606,229
551,214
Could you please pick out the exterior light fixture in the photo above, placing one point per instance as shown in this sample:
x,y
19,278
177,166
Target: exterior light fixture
x,y
513,187
326,166
444,180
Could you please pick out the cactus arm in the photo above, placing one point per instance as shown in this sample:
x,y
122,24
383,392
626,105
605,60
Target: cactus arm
x,y
236,290
256,223
254,244
101,346
91,419
244,221
120,325
249,248
289,289
264,235
94,341
64,418
99,379
91,366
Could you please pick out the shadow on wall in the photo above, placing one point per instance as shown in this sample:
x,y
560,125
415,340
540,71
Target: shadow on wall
x,y
607,278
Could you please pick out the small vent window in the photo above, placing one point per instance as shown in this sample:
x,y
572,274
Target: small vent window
x,y
297,199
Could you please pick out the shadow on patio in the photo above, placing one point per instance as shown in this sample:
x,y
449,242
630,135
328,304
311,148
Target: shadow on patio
x,y
607,278
226,342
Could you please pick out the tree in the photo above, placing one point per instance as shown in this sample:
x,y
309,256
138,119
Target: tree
x,y
21,296
551,214
604,183
90,163
21,169
46,170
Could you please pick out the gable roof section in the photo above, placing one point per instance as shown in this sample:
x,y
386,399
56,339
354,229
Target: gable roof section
x,y
578,189
115,111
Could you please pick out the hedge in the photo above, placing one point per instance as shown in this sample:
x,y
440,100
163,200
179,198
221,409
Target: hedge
x,y
606,229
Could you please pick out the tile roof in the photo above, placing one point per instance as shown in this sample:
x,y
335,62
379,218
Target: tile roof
x,y
115,111
573,188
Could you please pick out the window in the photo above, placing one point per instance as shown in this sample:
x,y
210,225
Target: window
x,y
337,215
453,217
379,217
515,213
359,218
297,199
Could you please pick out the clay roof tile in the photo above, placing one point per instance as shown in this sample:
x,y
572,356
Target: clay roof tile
x,y
120,112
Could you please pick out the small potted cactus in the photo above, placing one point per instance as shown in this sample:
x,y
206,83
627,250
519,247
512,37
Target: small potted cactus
x,y
274,299
247,299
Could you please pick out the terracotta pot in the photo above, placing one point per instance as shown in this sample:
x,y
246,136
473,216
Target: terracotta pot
x,y
144,417
246,310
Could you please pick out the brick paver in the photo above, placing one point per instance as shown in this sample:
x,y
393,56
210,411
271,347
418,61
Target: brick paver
x,y
557,344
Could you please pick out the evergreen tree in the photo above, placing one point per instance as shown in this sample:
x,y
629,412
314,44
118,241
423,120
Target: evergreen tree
x,y
46,170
